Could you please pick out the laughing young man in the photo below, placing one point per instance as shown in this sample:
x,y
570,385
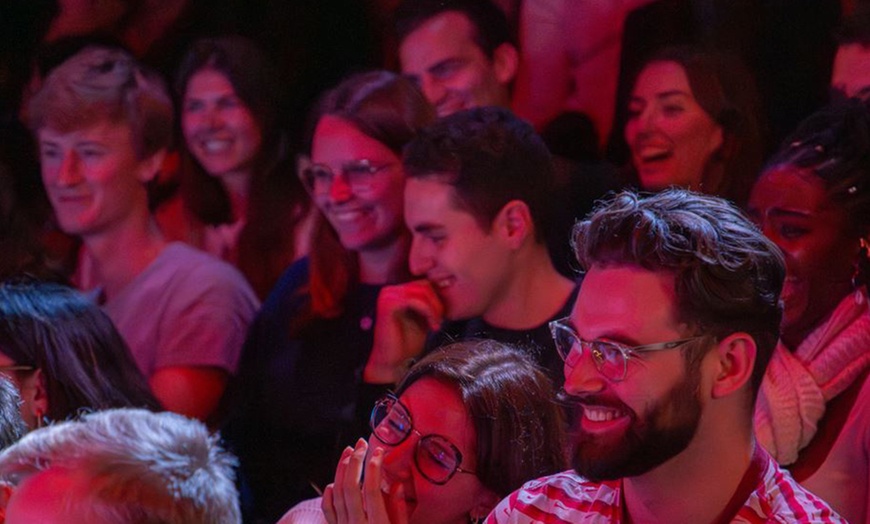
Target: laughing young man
x,y
664,352
103,124
478,201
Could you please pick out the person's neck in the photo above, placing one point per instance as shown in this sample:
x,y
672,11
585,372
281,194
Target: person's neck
x,y
385,265
534,293
697,484
793,335
237,186
122,253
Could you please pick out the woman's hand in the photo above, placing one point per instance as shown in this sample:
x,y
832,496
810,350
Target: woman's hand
x,y
350,500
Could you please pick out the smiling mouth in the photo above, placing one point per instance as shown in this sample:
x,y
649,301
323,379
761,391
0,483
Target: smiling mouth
x,y
442,283
601,414
654,154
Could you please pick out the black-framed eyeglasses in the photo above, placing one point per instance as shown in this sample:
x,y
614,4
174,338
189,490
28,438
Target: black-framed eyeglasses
x,y
359,175
611,358
436,458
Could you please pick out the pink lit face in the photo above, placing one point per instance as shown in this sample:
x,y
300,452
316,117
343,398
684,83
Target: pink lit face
x,y
630,427
851,71
364,220
52,496
219,129
466,265
453,72
435,407
792,208
93,178
671,137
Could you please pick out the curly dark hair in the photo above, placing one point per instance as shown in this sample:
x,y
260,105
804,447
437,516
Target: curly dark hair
x,y
728,275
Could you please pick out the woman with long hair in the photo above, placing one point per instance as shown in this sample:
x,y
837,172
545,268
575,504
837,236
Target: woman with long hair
x,y
302,391
241,200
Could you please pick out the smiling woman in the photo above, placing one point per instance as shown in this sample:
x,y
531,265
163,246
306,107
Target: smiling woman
x,y
302,384
813,201
240,199
693,122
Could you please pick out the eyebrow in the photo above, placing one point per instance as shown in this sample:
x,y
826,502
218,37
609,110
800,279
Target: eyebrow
x,y
780,212
427,227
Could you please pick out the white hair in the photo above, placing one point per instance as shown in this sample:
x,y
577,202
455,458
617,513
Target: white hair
x,y
141,467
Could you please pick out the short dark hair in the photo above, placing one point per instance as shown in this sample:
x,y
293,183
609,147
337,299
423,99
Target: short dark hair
x,y
489,21
855,28
728,275
490,157
511,403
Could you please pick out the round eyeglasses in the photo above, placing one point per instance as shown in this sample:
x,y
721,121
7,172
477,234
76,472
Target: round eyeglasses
x,y
611,358
358,174
436,458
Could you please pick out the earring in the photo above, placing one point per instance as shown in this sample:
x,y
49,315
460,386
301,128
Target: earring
x,y
857,285
41,419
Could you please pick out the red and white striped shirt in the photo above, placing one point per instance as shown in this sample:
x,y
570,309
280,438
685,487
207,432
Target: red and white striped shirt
x,y
568,498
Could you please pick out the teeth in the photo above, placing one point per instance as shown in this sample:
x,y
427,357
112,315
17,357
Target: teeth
x,y
347,216
600,414
443,283
653,152
215,146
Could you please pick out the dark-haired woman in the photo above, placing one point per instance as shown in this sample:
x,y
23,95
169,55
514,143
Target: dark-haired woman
x,y
813,410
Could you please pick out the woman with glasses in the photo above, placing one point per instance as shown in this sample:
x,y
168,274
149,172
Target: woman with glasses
x,y
302,393
64,354
467,425
240,199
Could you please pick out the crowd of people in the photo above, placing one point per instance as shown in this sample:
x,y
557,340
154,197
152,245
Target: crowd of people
x,y
504,261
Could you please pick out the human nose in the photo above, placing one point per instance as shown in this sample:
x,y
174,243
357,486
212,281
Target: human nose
x,y
583,376
433,90
69,170
420,258
339,188
398,459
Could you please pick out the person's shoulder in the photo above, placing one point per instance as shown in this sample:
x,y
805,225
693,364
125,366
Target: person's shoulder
x,y
197,273
562,497
306,512
779,498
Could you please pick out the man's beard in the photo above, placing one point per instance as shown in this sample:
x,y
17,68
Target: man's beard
x,y
665,431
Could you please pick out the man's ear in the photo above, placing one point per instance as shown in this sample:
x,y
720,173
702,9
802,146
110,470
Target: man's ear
x,y
514,223
34,395
484,504
505,62
735,361
150,166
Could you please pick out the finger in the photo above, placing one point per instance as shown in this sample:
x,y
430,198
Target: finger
x,y
376,507
327,505
400,506
337,487
352,495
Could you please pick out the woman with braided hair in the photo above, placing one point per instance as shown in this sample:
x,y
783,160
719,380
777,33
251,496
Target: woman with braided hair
x,y
813,410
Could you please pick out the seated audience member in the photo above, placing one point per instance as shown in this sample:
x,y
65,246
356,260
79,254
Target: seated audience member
x,y
851,69
303,388
121,466
467,425
242,200
813,201
459,52
64,354
103,123
478,205
12,426
569,61
664,351
693,122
